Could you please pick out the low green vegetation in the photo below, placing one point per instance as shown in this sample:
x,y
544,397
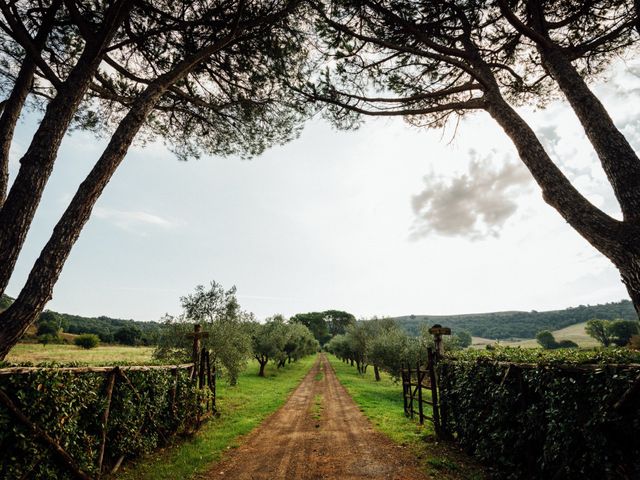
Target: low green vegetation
x,y
532,413
70,407
242,407
381,402
62,353
539,356
316,410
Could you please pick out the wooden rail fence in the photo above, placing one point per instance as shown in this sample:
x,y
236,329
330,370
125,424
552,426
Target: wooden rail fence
x,y
201,373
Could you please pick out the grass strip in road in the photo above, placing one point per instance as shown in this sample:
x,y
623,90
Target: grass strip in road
x,y
381,402
242,408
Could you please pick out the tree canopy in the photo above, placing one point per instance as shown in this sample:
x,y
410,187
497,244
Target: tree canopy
x,y
205,77
437,61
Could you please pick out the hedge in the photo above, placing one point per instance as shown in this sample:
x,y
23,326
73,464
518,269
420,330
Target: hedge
x,y
69,406
533,415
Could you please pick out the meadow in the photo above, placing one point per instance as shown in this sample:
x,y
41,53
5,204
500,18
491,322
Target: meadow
x,y
65,353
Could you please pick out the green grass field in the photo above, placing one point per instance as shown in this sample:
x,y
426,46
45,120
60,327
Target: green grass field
x,y
381,402
36,353
241,408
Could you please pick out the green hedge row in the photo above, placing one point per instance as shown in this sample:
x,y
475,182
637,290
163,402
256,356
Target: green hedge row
x,y
70,407
549,420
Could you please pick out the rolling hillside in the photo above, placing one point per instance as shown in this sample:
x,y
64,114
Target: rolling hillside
x,y
104,327
519,325
575,333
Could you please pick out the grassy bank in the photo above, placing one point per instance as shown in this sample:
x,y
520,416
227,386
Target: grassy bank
x,y
36,353
381,402
241,408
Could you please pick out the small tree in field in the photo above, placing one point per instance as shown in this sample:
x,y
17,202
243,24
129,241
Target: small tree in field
x,y
599,329
227,326
268,341
546,340
622,331
87,341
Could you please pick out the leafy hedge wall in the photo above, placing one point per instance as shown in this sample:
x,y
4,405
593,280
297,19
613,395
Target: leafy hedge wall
x,y
69,407
543,418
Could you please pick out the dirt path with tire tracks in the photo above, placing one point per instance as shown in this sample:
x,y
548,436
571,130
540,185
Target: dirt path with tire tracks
x,y
318,434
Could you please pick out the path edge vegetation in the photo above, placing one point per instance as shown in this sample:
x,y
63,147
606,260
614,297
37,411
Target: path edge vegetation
x,y
381,402
242,408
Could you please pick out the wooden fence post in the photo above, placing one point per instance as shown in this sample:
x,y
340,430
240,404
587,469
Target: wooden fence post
x,y
105,418
434,390
403,375
437,331
419,382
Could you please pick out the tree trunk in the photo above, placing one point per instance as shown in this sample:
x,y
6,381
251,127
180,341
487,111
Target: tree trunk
x,y
618,159
351,361
616,240
14,104
47,268
39,286
376,372
630,274
24,197
262,365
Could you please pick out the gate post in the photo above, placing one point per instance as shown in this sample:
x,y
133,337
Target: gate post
x,y
434,391
419,375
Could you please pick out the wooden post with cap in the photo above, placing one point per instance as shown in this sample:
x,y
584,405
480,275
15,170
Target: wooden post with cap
x,y
437,331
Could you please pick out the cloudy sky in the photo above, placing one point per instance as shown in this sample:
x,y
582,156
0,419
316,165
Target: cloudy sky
x,y
387,220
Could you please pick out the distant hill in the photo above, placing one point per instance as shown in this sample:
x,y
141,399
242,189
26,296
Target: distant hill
x,y
515,324
104,327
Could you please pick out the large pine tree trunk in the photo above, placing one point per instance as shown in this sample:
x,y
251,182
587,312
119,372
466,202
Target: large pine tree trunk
x,y
43,276
14,104
630,274
24,197
619,161
617,240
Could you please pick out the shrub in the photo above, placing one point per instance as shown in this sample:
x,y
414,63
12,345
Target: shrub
x,y
566,344
47,328
70,406
539,414
87,341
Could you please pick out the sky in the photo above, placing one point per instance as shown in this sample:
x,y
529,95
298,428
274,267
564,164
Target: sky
x,y
386,220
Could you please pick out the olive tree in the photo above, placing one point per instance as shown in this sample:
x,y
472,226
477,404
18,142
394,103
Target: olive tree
x,y
433,61
268,341
228,337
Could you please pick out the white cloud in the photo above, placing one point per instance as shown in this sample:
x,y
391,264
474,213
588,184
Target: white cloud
x,y
474,204
133,220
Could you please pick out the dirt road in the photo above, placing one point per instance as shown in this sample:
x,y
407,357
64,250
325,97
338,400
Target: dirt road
x,y
318,434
